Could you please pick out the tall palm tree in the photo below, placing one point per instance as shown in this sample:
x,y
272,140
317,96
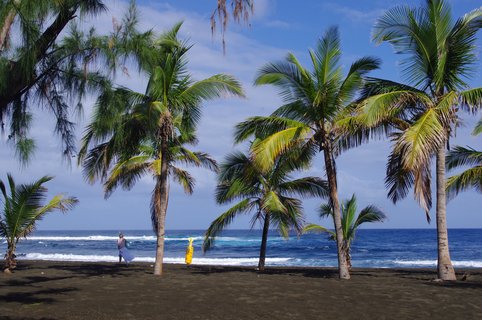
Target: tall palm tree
x,y
315,101
267,194
22,208
470,178
133,134
350,222
422,115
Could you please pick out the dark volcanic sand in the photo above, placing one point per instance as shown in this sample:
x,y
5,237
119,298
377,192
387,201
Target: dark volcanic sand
x,y
77,290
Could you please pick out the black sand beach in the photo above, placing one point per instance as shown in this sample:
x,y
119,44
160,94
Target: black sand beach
x,y
79,290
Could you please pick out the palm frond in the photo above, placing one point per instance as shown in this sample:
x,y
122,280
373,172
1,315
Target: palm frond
x,y
184,179
261,127
224,220
471,100
307,187
370,214
271,147
478,128
213,87
198,159
460,156
325,210
126,174
469,179
271,202
355,77
318,229
420,140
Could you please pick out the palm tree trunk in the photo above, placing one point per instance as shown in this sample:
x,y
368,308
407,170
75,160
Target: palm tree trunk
x,y
344,272
10,262
444,264
162,201
348,256
264,241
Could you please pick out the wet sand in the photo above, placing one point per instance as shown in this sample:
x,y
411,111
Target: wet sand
x,y
79,290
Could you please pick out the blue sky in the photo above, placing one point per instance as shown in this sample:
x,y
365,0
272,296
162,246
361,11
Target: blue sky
x,y
277,27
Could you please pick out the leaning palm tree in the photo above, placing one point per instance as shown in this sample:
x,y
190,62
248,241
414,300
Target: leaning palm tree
x,y
350,222
22,208
470,178
315,101
267,194
422,115
133,134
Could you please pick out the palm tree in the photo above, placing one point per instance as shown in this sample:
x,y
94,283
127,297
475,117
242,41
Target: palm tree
x,y
470,178
315,101
422,116
133,134
268,194
22,209
350,222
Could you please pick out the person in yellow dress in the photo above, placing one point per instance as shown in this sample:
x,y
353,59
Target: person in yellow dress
x,y
189,252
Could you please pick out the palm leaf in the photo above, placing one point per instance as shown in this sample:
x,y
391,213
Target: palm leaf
x,y
307,187
271,202
370,214
469,179
318,229
461,156
420,141
224,220
213,87
184,179
478,128
267,150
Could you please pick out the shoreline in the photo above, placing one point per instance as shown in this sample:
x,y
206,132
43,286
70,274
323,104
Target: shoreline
x,y
103,290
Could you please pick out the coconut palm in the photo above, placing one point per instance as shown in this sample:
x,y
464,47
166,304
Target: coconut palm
x,y
269,195
134,134
422,115
22,208
315,101
350,222
470,178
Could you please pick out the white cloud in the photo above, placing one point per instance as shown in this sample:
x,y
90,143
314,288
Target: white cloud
x,y
277,24
353,14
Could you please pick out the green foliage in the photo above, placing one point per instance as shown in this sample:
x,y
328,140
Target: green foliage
x,y
55,64
266,194
314,100
420,117
350,220
468,179
134,134
22,208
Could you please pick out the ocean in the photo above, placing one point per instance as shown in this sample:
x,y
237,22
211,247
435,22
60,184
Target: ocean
x,y
386,248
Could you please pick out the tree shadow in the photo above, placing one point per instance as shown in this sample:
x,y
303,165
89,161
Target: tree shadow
x,y
24,318
91,269
293,271
27,281
33,297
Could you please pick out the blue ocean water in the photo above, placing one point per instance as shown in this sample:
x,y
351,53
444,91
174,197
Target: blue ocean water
x,y
372,247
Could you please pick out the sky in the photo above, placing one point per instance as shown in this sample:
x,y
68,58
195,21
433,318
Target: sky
x,y
276,28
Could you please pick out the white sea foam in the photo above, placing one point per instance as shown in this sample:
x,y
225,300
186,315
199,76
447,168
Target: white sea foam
x,y
433,263
130,238
178,260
